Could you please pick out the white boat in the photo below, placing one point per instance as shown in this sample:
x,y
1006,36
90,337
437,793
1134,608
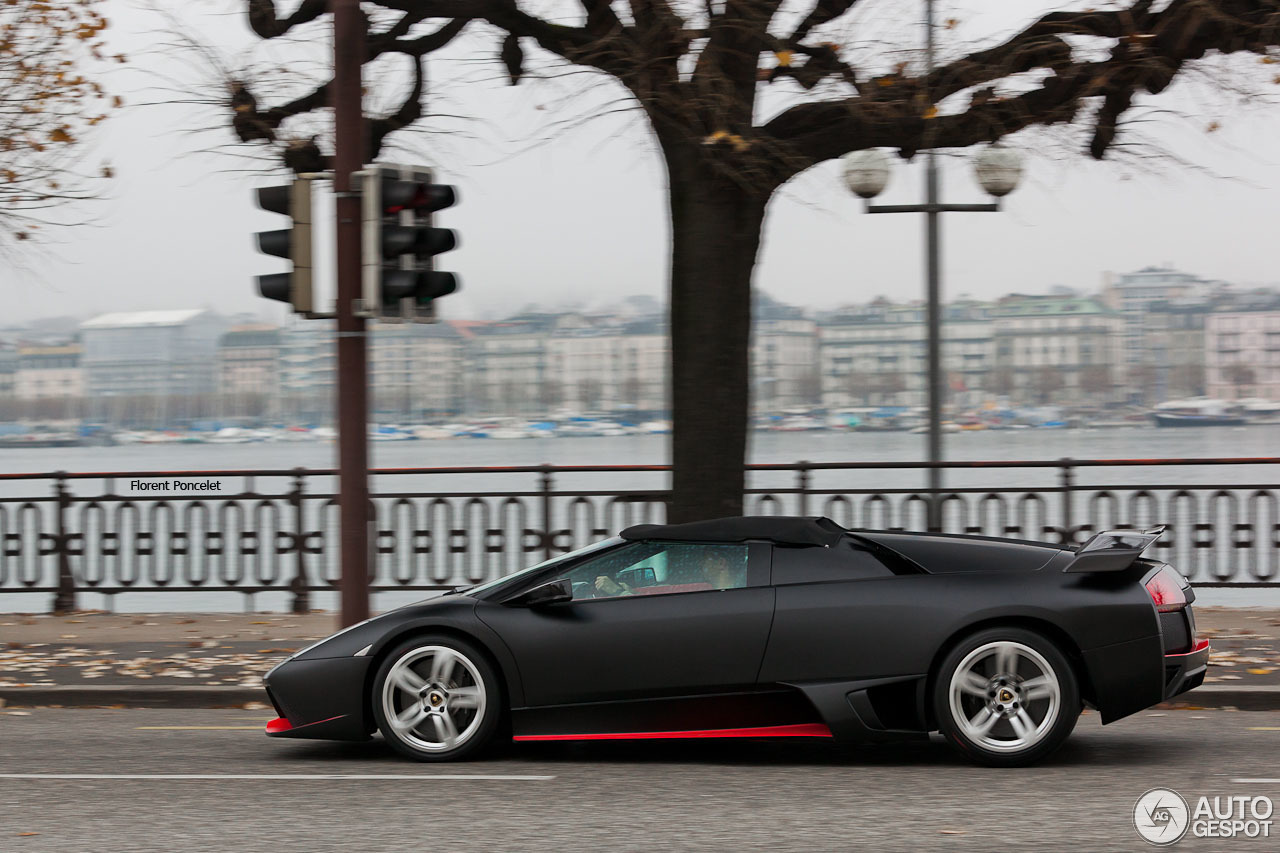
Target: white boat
x,y
432,432
233,435
510,432
799,423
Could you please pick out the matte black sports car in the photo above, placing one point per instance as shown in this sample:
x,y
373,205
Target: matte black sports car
x,y
764,627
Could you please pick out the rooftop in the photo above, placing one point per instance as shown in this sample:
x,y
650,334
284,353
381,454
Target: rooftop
x,y
142,318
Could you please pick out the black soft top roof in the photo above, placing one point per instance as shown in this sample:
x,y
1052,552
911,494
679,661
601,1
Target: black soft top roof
x,y
780,529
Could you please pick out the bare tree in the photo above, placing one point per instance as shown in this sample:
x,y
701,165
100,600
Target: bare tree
x,y
1096,381
1047,380
698,71
809,387
49,104
631,390
590,392
855,383
1187,378
1240,376
890,384
1141,378
1002,381
550,394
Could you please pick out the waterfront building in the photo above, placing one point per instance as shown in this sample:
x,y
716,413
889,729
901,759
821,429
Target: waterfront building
x,y
1173,362
876,354
8,369
508,362
1053,350
1242,354
1133,294
415,371
153,354
307,370
644,366
48,372
784,358
249,369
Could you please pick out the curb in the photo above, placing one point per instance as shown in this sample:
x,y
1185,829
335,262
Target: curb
x,y
150,696
1243,698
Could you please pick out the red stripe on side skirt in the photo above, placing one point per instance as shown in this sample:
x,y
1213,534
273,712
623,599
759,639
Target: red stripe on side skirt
x,y
794,730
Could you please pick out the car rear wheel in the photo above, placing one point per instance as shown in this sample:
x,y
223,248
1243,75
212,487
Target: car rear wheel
x,y
1006,697
437,698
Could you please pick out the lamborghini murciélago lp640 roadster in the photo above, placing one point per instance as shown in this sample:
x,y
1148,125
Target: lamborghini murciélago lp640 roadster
x,y
764,627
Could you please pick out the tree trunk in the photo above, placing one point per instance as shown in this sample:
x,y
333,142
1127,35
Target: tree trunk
x,y
715,233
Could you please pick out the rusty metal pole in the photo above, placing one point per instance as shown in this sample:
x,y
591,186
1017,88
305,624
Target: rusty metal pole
x,y
352,397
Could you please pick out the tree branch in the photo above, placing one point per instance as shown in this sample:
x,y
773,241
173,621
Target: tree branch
x,y
263,20
1150,49
824,12
409,112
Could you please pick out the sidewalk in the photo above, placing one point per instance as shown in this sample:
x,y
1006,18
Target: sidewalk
x,y
218,659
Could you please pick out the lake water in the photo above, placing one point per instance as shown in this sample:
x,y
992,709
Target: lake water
x,y
771,447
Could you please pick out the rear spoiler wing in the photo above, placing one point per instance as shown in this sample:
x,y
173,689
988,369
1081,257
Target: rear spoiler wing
x,y
1113,550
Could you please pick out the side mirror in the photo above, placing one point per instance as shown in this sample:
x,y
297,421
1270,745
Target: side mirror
x,y
553,592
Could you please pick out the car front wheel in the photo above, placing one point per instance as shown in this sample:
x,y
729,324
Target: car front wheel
x,y
437,698
1006,697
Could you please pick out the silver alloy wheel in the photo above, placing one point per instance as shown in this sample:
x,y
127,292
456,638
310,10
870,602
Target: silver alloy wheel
x,y
1005,696
440,710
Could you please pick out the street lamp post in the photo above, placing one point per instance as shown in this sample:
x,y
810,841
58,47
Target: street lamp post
x,y
866,174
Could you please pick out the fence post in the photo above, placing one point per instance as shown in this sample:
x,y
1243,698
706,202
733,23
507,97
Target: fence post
x,y
64,600
1067,480
298,586
546,484
802,483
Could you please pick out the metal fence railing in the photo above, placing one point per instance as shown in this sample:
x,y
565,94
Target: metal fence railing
x,y
276,530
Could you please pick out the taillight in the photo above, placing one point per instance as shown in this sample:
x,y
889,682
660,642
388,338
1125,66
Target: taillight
x,y
1166,590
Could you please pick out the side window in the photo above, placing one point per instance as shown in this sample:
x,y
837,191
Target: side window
x,y
660,568
812,564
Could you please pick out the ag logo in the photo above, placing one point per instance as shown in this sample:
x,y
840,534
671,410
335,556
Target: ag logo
x,y
1161,816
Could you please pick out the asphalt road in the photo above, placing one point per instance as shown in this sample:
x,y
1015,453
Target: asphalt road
x,y
703,795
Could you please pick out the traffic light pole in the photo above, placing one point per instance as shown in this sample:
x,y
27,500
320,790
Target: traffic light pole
x,y
352,395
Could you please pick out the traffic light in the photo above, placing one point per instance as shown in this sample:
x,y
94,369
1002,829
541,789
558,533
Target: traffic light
x,y
400,243
294,244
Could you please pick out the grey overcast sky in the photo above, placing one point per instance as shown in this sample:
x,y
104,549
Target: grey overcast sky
x,y
580,220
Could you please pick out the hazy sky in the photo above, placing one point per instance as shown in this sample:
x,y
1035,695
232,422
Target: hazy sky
x,y
581,219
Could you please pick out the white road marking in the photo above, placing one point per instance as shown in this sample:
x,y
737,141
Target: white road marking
x,y
198,728
456,777
1256,781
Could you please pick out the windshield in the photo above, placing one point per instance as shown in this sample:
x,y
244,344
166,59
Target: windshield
x,y
545,564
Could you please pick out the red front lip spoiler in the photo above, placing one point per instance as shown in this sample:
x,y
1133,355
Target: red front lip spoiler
x,y
281,726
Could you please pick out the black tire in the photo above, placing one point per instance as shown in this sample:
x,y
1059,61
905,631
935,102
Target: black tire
x,y
472,675
1023,723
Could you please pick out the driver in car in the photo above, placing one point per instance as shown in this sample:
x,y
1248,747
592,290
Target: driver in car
x,y
715,571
